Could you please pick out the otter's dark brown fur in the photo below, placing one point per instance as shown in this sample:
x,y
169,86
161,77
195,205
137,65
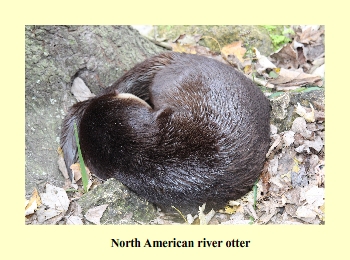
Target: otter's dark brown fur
x,y
201,137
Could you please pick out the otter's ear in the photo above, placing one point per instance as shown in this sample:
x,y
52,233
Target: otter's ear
x,y
67,138
164,113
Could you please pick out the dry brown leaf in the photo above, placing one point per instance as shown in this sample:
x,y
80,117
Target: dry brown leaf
x,y
293,196
305,212
205,218
49,216
320,173
62,167
234,49
289,78
77,171
233,203
286,57
310,36
190,219
263,62
251,211
301,56
74,220
204,51
35,197
80,90
317,144
277,140
265,177
94,215
231,209
288,138
315,196
301,111
186,48
55,198
56,201
186,39
299,126
237,219
320,71
273,167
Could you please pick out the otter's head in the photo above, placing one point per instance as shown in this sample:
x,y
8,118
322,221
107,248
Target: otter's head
x,y
113,130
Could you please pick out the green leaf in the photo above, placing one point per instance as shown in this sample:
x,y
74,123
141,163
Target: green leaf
x,y
270,27
273,74
276,94
311,89
81,160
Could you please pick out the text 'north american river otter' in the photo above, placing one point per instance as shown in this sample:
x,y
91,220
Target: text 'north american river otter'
x,y
135,242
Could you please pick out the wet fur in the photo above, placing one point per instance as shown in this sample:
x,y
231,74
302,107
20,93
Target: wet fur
x,y
202,139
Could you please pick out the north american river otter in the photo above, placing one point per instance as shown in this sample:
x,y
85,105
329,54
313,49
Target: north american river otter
x,y
177,129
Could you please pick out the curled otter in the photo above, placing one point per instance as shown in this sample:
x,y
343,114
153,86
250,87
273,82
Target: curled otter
x,y
177,129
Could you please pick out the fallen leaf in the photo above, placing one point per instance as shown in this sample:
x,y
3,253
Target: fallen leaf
x,y
74,220
273,129
49,216
251,211
33,203
231,209
237,219
55,198
234,49
289,78
317,144
263,62
288,138
30,209
301,54
94,215
309,116
205,218
77,173
233,203
299,126
320,173
305,212
319,71
286,57
265,178
190,219
315,196
177,47
299,178
275,144
186,39
319,116
62,167
273,167
310,35
293,196
296,167
80,90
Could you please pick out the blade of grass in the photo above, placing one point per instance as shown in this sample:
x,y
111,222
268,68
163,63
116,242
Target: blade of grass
x,y
255,194
81,160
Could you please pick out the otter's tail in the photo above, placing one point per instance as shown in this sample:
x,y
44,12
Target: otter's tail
x,y
67,138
